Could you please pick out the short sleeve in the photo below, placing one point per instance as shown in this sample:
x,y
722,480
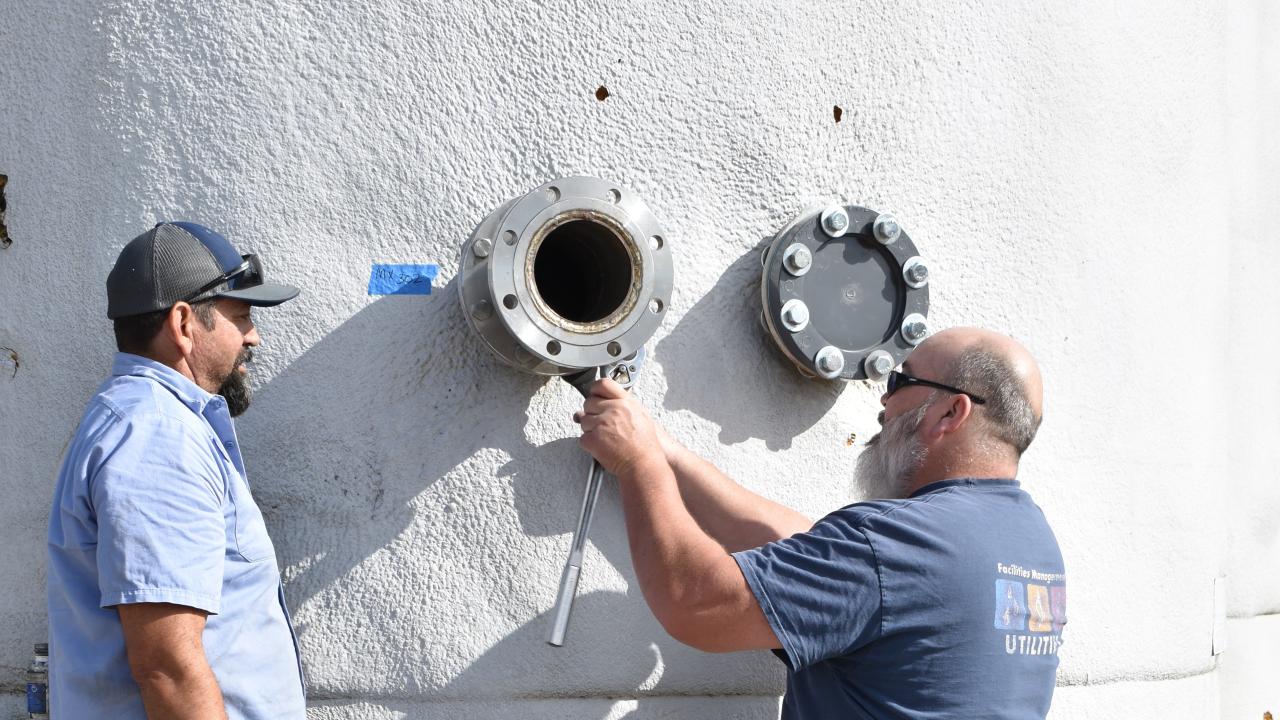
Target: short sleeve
x,y
158,500
820,590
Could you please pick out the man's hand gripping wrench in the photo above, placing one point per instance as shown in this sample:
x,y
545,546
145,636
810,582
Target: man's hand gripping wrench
x,y
624,373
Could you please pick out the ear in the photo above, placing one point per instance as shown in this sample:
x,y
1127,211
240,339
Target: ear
x,y
948,417
180,329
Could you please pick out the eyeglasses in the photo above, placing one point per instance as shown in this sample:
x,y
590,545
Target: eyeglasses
x,y
898,380
247,274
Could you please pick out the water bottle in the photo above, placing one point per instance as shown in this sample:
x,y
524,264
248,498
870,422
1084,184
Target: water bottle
x,y
38,683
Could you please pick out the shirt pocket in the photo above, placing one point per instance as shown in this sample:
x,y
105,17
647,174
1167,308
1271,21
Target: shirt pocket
x,y
252,541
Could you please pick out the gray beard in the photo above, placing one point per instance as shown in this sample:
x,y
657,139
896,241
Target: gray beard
x,y
885,468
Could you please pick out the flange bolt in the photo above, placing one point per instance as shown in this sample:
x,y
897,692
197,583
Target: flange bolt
x,y
797,259
829,361
795,315
915,328
886,229
916,272
835,220
481,247
878,364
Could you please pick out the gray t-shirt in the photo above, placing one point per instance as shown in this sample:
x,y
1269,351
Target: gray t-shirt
x,y
949,604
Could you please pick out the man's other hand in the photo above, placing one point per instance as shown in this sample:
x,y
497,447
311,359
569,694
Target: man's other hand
x,y
616,430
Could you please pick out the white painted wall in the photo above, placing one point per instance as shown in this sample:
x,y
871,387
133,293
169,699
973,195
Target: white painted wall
x,y
1097,178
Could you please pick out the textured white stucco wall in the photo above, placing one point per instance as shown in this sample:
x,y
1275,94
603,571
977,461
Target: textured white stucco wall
x,y
1098,179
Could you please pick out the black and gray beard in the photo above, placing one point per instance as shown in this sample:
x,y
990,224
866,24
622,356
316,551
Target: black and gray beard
x,y
885,468
235,387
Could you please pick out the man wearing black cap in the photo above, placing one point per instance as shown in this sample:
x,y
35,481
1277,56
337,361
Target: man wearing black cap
x,y
164,594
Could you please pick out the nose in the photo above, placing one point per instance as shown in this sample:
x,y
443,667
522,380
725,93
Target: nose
x,y
251,338
884,399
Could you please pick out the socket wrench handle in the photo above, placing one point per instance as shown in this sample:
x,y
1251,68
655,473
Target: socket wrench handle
x,y
573,566
624,372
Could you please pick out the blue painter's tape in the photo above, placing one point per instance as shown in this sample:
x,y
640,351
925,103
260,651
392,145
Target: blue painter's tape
x,y
402,279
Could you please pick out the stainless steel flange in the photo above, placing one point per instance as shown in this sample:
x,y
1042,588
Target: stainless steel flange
x,y
865,288
575,274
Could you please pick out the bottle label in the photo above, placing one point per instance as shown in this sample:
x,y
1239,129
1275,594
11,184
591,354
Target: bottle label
x,y
36,695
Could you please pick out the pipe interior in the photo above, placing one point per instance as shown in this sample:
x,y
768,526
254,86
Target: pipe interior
x,y
582,271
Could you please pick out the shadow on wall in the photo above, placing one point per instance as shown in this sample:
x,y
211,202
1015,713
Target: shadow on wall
x,y
614,641
385,406
723,366
370,404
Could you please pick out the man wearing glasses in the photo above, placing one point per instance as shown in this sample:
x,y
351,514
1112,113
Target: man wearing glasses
x,y
942,595
164,593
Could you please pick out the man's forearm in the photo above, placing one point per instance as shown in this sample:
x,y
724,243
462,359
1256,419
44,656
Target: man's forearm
x,y
167,660
189,693
694,588
668,548
737,518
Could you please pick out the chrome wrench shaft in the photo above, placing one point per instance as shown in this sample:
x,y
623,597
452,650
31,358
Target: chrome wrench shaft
x,y
573,567
624,373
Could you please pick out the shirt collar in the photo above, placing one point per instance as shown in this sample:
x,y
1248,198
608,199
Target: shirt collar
x,y
192,395
967,482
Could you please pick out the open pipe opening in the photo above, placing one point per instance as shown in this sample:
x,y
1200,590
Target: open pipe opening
x,y
583,271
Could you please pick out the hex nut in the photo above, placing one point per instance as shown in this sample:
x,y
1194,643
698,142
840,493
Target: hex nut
x,y
914,328
878,364
482,247
797,259
829,362
834,221
915,271
886,229
795,315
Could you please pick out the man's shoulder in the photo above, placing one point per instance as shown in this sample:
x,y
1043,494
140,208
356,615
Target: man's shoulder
x,y
951,500
128,403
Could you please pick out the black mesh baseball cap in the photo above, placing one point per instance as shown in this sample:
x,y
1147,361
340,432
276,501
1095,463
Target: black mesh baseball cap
x,y
185,262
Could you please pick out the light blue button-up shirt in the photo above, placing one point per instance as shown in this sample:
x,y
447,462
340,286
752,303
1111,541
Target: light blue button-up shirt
x,y
152,506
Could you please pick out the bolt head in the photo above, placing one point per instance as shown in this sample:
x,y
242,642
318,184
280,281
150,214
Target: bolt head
x,y
835,220
795,315
882,365
886,229
482,247
797,259
829,361
916,272
914,328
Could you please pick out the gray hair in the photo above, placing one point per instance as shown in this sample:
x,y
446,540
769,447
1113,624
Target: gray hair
x,y
1008,414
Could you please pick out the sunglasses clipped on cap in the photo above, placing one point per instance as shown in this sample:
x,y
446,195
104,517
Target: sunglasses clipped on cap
x,y
898,380
246,275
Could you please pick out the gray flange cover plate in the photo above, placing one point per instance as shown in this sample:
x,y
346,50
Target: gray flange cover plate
x,y
501,300
854,289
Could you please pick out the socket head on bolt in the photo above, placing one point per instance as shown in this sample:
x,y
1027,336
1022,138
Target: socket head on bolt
x,y
886,229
